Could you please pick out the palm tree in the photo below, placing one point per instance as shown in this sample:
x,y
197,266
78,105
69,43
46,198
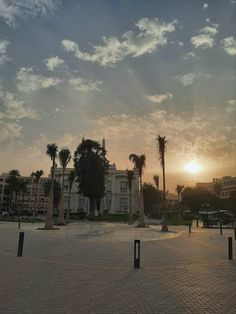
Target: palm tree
x,y
22,188
179,189
139,163
36,177
64,157
130,176
71,181
52,152
162,149
12,180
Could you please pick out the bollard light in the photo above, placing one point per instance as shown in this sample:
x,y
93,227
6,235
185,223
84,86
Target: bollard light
x,y
230,248
136,253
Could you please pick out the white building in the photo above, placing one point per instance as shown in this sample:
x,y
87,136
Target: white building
x,y
116,199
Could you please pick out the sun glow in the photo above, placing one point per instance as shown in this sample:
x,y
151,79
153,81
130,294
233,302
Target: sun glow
x,y
193,167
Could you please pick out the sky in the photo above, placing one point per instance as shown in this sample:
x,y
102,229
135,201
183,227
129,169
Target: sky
x,y
124,70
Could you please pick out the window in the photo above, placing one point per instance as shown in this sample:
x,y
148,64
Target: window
x,y
108,186
123,204
123,187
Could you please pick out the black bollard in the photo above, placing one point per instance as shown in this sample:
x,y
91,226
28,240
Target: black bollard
x,y
221,229
234,233
20,244
136,253
197,222
230,248
189,228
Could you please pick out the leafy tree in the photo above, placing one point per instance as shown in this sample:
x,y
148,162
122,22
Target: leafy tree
x,y
52,153
197,198
162,150
64,157
150,197
130,176
71,181
36,178
90,167
139,164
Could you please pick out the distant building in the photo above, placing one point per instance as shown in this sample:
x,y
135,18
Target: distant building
x,y
228,186
171,199
116,199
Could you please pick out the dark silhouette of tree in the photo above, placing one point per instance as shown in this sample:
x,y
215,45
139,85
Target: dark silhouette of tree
x,y
90,167
162,150
179,189
71,181
130,177
156,179
12,181
150,196
139,164
36,178
64,157
52,153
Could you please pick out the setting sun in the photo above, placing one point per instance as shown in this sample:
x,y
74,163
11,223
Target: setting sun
x,y
193,167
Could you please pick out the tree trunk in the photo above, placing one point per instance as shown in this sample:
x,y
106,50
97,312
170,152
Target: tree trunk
x,y
130,208
68,209
49,217
164,223
141,207
91,209
61,220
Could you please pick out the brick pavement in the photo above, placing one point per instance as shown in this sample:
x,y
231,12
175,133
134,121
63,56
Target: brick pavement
x,y
88,268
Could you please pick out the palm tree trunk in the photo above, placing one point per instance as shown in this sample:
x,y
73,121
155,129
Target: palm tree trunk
x,y
49,217
61,220
164,223
130,209
141,207
68,209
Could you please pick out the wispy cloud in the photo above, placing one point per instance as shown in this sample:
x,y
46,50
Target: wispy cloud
x,y
53,63
29,81
229,45
190,55
3,51
151,35
84,85
205,39
13,10
205,6
160,98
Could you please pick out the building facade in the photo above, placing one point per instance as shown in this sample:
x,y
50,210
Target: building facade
x,y
227,186
116,199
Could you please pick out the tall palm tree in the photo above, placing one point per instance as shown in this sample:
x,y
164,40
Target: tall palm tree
x,y
22,189
139,164
71,181
162,149
64,157
12,180
52,153
179,189
130,176
36,178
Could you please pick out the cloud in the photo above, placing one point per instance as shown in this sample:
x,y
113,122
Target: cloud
x,y
14,10
53,62
160,98
150,36
14,108
205,6
190,55
229,45
84,85
3,51
232,102
28,81
9,130
188,79
232,2
205,39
